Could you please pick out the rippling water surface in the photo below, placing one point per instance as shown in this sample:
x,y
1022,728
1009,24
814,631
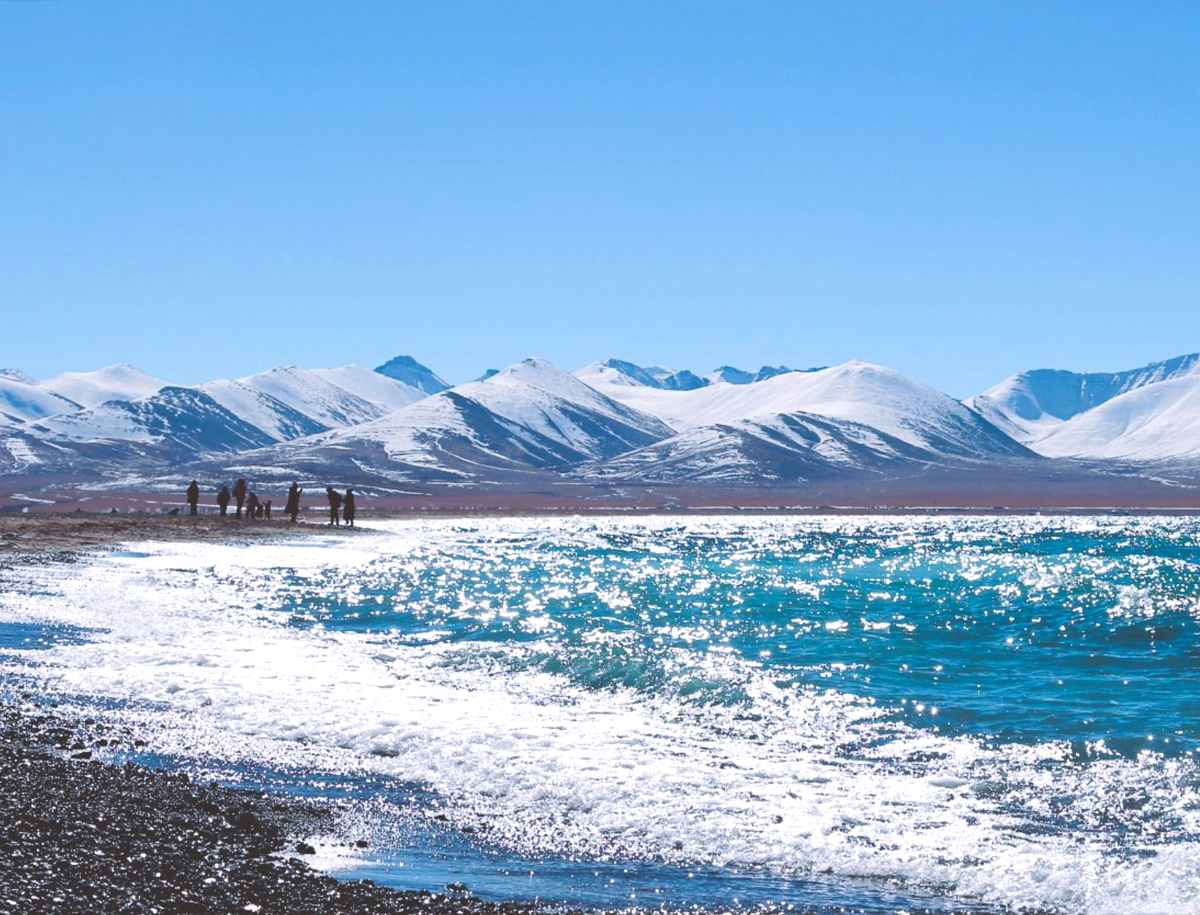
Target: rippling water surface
x,y
871,713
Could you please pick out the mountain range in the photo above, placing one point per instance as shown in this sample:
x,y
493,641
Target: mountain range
x,y
613,429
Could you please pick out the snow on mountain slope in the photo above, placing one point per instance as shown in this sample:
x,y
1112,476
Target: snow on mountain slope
x,y
618,371
182,422
16,375
373,386
542,397
407,370
781,448
531,416
269,414
21,401
116,382
280,404
1153,422
290,403
22,452
860,392
320,400
1031,405
601,376
732,375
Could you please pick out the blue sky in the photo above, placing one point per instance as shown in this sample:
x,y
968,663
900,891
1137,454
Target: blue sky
x,y
957,190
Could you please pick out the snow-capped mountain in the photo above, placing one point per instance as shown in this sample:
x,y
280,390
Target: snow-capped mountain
x,y
407,370
291,402
1154,421
858,392
731,375
529,417
180,423
533,427
1031,405
375,387
279,421
220,417
533,418
116,382
21,399
620,372
320,400
773,449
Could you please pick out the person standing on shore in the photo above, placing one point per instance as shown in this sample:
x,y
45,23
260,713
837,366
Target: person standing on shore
x,y
348,508
253,506
293,502
239,493
335,502
223,500
193,497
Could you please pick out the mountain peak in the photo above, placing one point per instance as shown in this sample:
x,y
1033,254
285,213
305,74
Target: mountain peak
x,y
534,371
657,376
16,375
406,369
121,381
733,375
730,375
1031,404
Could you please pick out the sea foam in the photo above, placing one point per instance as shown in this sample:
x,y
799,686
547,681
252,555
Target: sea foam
x,y
211,650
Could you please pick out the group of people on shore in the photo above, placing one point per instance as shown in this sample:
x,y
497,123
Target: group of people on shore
x,y
343,503
340,506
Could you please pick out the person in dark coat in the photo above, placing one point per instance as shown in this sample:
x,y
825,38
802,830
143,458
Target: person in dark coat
x,y
267,509
193,497
348,508
239,493
253,506
293,502
223,500
335,502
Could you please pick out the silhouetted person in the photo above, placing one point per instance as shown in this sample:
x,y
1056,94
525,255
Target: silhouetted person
x,y
223,500
293,502
335,502
193,497
348,507
239,493
252,506
267,509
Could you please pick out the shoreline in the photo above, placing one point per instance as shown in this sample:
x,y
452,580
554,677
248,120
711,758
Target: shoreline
x,y
48,533
82,836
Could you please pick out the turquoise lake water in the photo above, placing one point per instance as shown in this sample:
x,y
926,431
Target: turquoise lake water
x,y
873,714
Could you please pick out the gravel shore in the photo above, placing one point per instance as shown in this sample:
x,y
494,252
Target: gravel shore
x,y
39,534
82,836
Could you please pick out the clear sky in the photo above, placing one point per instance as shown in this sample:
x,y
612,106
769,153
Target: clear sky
x,y
957,190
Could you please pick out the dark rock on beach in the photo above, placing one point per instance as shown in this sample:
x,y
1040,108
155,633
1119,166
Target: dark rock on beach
x,y
78,835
